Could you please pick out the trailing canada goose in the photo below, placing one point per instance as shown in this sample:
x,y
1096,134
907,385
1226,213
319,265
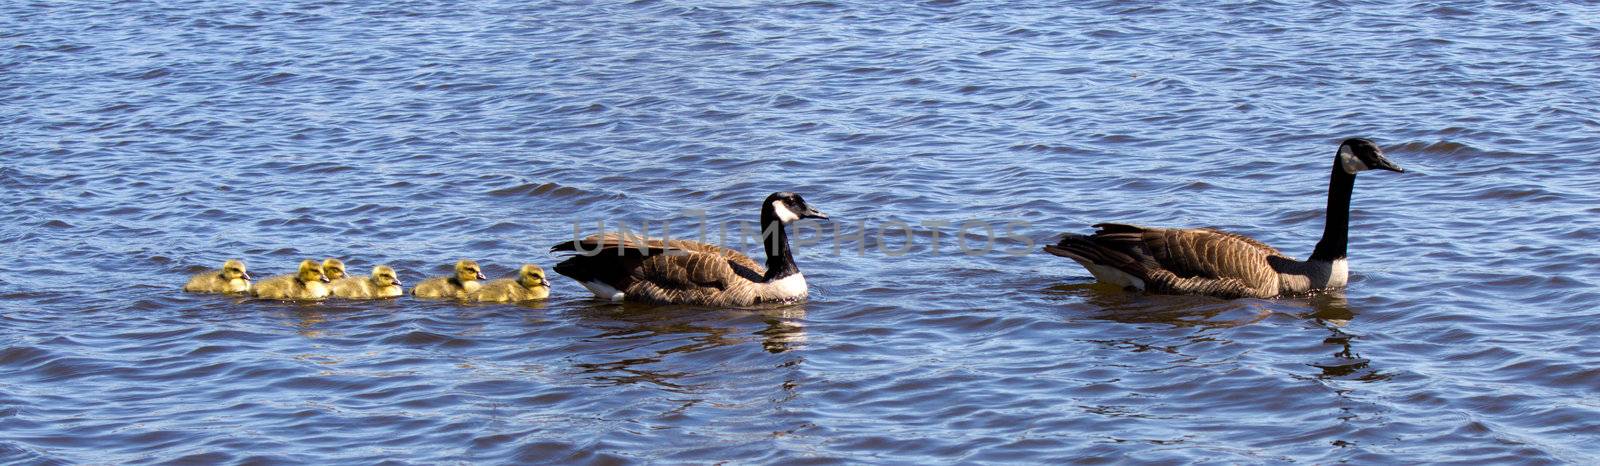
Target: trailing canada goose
x,y
305,284
1212,262
383,283
231,278
529,285
464,282
618,267
333,268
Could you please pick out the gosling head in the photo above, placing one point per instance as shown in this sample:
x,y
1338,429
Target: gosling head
x,y
385,276
532,276
310,272
234,269
467,270
1357,155
787,207
333,268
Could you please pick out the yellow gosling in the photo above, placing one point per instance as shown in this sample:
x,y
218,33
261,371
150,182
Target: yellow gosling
x,y
529,285
232,278
459,286
306,284
383,283
333,268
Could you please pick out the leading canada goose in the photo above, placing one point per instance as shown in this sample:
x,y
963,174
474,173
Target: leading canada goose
x,y
620,267
232,278
529,285
383,283
308,283
333,268
1217,263
458,286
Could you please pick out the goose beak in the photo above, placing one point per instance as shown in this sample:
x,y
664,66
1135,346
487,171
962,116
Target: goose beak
x,y
481,276
397,283
1383,163
812,212
326,280
246,275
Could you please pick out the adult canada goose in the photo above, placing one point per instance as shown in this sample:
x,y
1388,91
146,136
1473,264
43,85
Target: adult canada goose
x,y
231,278
383,283
619,267
333,268
464,282
1212,262
305,284
529,285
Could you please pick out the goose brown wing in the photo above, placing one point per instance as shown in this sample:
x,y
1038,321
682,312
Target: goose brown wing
x,y
609,243
1201,260
1208,253
650,269
1198,261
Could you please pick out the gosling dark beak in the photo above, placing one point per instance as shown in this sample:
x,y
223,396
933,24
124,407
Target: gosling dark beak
x,y
397,283
1383,163
481,277
246,275
326,280
812,212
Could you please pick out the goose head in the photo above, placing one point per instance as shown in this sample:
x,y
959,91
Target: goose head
x,y
532,276
333,268
384,276
788,208
1358,154
310,272
468,270
234,269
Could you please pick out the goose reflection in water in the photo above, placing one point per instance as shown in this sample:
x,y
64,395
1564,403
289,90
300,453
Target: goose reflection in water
x,y
659,345
1333,311
1330,310
1112,303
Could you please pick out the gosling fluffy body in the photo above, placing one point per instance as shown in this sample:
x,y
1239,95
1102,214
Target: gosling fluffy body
x,y
231,278
463,283
383,283
529,285
306,284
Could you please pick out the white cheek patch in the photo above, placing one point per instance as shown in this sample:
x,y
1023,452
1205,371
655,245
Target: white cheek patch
x,y
1350,163
784,214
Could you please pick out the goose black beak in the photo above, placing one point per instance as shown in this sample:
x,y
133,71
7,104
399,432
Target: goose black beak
x,y
813,213
1383,163
397,283
326,280
246,276
481,276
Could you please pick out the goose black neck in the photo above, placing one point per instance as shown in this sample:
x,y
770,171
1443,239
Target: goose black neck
x,y
1336,233
779,262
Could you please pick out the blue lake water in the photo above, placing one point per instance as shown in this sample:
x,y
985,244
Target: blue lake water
x,y
141,142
